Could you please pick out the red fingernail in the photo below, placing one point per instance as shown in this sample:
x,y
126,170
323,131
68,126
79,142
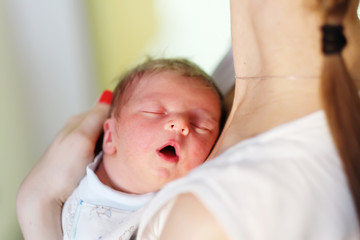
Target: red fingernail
x,y
106,97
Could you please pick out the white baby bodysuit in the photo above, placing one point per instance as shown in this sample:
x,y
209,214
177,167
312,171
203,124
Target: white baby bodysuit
x,y
95,211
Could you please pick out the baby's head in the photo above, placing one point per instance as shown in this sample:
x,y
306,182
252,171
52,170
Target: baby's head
x,y
164,120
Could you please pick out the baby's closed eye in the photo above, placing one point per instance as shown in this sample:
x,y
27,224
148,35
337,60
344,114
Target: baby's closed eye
x,y
202,126
153,113
153,110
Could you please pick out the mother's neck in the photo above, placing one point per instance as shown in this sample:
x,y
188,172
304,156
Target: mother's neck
x,y
274,39
260,105
277,37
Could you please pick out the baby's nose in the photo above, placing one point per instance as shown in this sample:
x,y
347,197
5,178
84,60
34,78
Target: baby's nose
x,y
178,124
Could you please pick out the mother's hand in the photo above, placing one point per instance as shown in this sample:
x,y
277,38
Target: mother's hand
x,y
57,173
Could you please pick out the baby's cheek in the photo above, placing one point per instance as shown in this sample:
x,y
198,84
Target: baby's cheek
x,y
140,137
197,154
204,147
197,158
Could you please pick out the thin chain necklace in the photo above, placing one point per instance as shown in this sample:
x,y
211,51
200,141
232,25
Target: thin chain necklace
x,y
290,77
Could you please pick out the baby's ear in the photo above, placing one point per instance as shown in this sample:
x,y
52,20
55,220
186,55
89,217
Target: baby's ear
x,y
109,146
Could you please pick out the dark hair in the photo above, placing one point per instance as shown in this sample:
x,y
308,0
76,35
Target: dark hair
x,y
181,66
342,104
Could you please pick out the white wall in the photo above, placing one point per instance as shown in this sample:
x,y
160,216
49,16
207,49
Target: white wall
x,y
198,30
54,62
46,76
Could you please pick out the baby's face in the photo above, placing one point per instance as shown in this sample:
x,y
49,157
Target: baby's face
x,y
168,127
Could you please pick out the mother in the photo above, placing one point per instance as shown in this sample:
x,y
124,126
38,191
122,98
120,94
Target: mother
x,y
287,165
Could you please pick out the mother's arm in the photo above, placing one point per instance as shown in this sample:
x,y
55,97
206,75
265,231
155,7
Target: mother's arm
x,y
58,172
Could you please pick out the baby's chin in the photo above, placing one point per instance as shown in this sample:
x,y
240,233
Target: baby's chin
x,y
162,177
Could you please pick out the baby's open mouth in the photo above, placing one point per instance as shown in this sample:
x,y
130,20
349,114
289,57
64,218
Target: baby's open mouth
x,y
169,151
169,154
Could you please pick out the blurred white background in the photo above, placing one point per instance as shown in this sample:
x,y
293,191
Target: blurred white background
x,y
57,57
